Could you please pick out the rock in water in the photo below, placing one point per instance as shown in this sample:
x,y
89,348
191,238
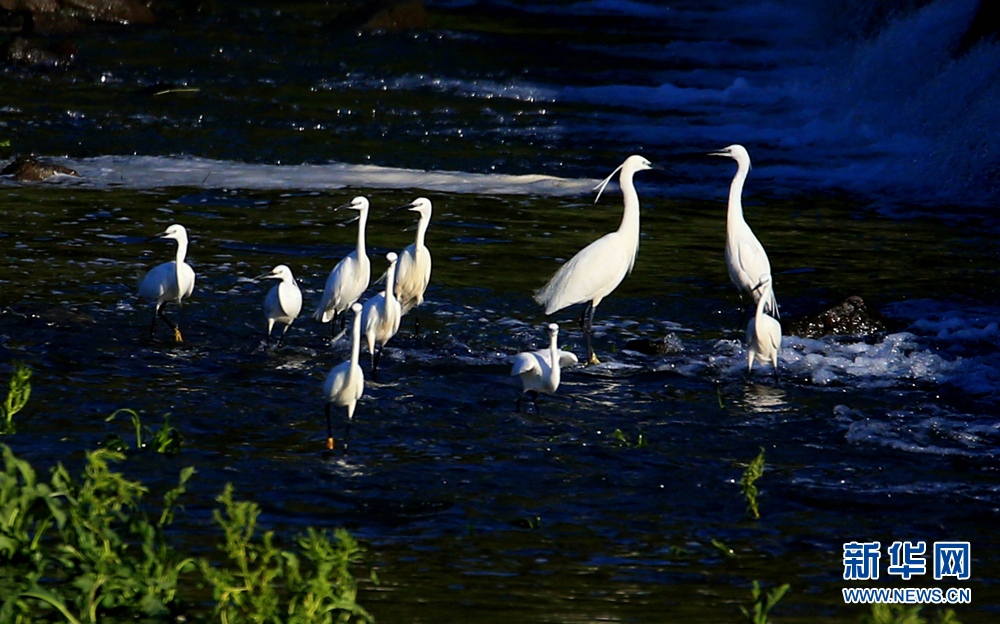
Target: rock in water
x,y
26,169
850,317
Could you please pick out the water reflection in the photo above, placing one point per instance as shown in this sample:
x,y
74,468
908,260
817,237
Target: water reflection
x,y
764,399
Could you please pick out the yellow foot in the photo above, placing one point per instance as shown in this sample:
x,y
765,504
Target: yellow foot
x,y
329,444
593,359
177,335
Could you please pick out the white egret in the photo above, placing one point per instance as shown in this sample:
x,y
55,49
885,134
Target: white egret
x,y
381,315
345,383
745,256
763,332
283,302
413,269
540,370
349,279
170,281
598,268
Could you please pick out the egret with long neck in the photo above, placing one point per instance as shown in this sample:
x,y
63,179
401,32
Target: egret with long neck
x,y
413,269
745,256
381,316
345,383
170,281
597,269
541,371
349,279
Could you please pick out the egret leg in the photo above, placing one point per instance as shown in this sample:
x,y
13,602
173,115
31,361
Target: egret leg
x,y
333,325
347,434
375,358
416,320
281,339
587,321
152,325
177,331
517,405
534,400
329,429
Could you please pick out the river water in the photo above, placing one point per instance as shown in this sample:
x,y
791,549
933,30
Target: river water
x,y
875,165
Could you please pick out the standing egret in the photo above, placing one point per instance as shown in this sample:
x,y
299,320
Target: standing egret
x,y
745,256
540,370
349,279
381,315
598,268
413,270
345,383
170,281
763,332
283,302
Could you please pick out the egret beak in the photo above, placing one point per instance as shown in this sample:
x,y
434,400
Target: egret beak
x,y
268,275
719,153
159,236
409,206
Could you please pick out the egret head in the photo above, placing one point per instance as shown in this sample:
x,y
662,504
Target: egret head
x,y
553,329
175,232
631,165
279,272
765,282
736,152
391,257
423,206
359,203
356,308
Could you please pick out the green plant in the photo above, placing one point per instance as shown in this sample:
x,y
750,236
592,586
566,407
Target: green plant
x,y
904,614
762,603
166,439
105,556
640,441
17,397
263,583
753,471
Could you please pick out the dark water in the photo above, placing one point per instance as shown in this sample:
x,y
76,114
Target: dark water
x,y
472,512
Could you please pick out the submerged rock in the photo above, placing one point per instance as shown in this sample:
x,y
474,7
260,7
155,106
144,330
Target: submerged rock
x,y
851,316
647,346
113,11
27,169
35,53
372,15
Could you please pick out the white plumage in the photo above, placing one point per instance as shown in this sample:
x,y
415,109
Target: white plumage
x,y
763,332
345,383
381,315
283,302
540,371
170,281
597,269
349,279
413,269
745,256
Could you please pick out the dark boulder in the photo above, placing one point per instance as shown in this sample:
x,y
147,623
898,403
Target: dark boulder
x,y
111,11
27,169
36,53
662,346
850,317
391,15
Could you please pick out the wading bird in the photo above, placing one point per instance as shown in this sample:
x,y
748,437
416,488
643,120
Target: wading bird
x,y
345,383
540,370
745,256
763,332
413,269
349,279
170,281
283,302
381,315
598,268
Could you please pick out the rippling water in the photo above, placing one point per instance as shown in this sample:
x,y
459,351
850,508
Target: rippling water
x,y
473,512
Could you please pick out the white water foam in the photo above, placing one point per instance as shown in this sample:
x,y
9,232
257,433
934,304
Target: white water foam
x,y
149,172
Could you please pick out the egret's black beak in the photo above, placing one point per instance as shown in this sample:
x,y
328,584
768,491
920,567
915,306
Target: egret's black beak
x,y
159,236
406,206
